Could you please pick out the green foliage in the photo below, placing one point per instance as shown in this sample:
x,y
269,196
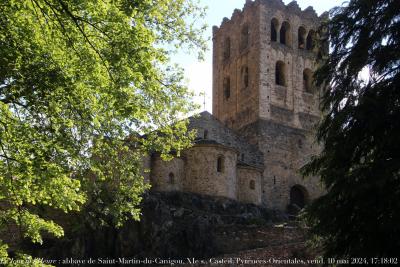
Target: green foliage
x,y
21,260
360,161
80,83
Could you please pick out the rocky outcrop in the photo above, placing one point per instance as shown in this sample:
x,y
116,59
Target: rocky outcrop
x,y
173,225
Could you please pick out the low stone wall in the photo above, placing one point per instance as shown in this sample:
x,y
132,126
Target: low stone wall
x,y
174,225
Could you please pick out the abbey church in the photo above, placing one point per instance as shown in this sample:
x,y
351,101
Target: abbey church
x,y
265,109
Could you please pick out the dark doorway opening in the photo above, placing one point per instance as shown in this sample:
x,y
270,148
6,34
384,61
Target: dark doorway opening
x,y
298,199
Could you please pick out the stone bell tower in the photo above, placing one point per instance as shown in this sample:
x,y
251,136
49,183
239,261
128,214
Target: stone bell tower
x,y
263,63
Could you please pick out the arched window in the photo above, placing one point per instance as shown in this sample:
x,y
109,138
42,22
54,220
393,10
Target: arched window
x,y
284,34
252,185
245,76
220,164
274,28
205,136
307,80
227,48
310,40
244,37
227,87
171,178
280,73
301,36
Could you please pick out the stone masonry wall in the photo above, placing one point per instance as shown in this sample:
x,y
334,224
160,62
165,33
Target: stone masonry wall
x,y
209,128
167,175
286,150
249,185
242,105
277,120
284,103
263,97
282,123
202,176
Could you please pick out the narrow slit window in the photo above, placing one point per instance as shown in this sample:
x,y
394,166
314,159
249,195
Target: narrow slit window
x,y
227,48
252,184
274,26
244,38
307,80
227,88
220,164
245,76
280,73
171,178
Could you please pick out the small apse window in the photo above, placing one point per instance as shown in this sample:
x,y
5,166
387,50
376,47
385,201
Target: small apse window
x,y
252,184
171,178
220,164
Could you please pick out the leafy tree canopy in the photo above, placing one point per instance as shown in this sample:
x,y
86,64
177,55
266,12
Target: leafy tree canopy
x,y
78,79
360,161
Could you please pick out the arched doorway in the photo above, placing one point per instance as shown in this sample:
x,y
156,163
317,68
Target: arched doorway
x,y
298,199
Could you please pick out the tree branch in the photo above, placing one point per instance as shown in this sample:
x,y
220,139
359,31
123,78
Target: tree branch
x,y
76,22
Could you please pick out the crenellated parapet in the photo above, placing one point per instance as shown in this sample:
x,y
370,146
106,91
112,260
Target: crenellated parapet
x,y
293,7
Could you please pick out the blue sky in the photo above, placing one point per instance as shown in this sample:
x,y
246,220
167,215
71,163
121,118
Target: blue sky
x,y
199,74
